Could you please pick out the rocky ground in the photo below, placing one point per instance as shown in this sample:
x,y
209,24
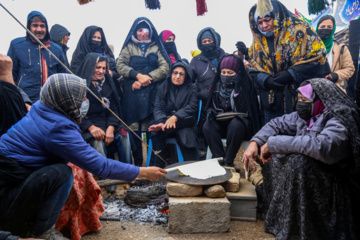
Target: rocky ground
x,y
134,230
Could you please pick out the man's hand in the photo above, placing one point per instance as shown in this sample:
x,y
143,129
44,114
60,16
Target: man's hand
x,y
151,173
157,127
96,132
109,135
6,66
170,123
145,80
136,85
265,154
250,155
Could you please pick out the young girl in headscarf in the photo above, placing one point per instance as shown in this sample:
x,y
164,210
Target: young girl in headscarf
x,y
168,39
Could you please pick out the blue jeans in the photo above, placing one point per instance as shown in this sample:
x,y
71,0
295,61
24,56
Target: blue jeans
x,y
122,147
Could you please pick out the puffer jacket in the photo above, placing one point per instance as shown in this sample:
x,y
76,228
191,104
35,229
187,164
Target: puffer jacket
x,y
342,63
132,49
326,141
26,56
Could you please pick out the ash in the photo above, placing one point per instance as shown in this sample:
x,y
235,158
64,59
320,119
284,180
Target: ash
x,y
151,212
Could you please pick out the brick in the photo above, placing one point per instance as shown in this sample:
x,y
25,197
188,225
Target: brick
x,y
233,185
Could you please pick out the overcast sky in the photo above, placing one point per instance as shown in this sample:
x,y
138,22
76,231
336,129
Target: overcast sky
x,y
228,17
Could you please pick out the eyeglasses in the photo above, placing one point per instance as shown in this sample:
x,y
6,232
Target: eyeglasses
x,y
182,74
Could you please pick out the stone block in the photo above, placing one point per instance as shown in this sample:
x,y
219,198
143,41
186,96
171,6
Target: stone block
x,y
233,185
216,191
183,190
199,215
243,202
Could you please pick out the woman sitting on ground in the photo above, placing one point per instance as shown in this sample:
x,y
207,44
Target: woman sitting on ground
x,y
232,110
311,162
175,114
34,178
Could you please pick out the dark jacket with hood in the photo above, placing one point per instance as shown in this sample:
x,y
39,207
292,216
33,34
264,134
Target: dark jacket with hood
x,y
57,32
149,59
97,115
243,98
27,61
202,66
180,101
85,46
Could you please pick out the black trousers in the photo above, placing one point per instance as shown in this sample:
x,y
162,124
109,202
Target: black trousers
x,y
28,204
159,144
235,131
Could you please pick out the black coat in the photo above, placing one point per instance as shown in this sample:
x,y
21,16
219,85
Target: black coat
x,y
57,33
180,101
97,114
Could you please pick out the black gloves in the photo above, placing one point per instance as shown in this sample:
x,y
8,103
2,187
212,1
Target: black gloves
x,y
283,78
335,77
242,48
271,84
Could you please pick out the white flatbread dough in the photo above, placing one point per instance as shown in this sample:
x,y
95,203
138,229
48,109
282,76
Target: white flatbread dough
x,y
203,169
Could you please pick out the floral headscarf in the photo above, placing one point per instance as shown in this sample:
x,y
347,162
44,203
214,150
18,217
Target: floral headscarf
x,y
295,42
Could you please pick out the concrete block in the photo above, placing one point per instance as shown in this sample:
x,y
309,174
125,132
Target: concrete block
x,y
183,190
233,185
243,202
198,215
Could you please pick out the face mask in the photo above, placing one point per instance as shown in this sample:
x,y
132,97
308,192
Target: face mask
x,y
208,47
304,110
266,34
226,80
84,108
324,33
170,47
96,44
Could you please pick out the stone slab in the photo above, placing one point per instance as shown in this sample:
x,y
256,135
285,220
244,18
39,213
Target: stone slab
x,y
198,215
243,203
183,190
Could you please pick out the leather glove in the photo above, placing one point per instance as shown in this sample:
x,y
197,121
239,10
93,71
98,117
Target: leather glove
x,y
283,78
242,48
271,84
335,77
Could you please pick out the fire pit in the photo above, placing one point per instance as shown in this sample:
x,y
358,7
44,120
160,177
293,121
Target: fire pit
x,y
145,201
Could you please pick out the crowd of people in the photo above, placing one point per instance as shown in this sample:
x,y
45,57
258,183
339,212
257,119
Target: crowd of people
x,y
62,123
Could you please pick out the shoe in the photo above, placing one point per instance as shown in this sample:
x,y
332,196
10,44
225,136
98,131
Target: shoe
x,y
52,234
226,164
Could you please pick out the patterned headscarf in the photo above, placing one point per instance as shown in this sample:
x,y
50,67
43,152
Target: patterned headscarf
x,y
345,110
295,42
64,93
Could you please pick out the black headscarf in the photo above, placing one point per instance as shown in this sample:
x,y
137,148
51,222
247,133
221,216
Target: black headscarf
x,y
12,106
215,53
85,46
248,91
167,87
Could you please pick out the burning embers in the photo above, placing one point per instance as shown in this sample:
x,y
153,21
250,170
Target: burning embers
x,y
145,201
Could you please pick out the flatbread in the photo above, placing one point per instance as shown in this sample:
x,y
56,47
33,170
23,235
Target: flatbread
x,y
203,169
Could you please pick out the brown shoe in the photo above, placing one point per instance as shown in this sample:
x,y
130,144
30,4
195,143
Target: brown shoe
x,y
255,177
